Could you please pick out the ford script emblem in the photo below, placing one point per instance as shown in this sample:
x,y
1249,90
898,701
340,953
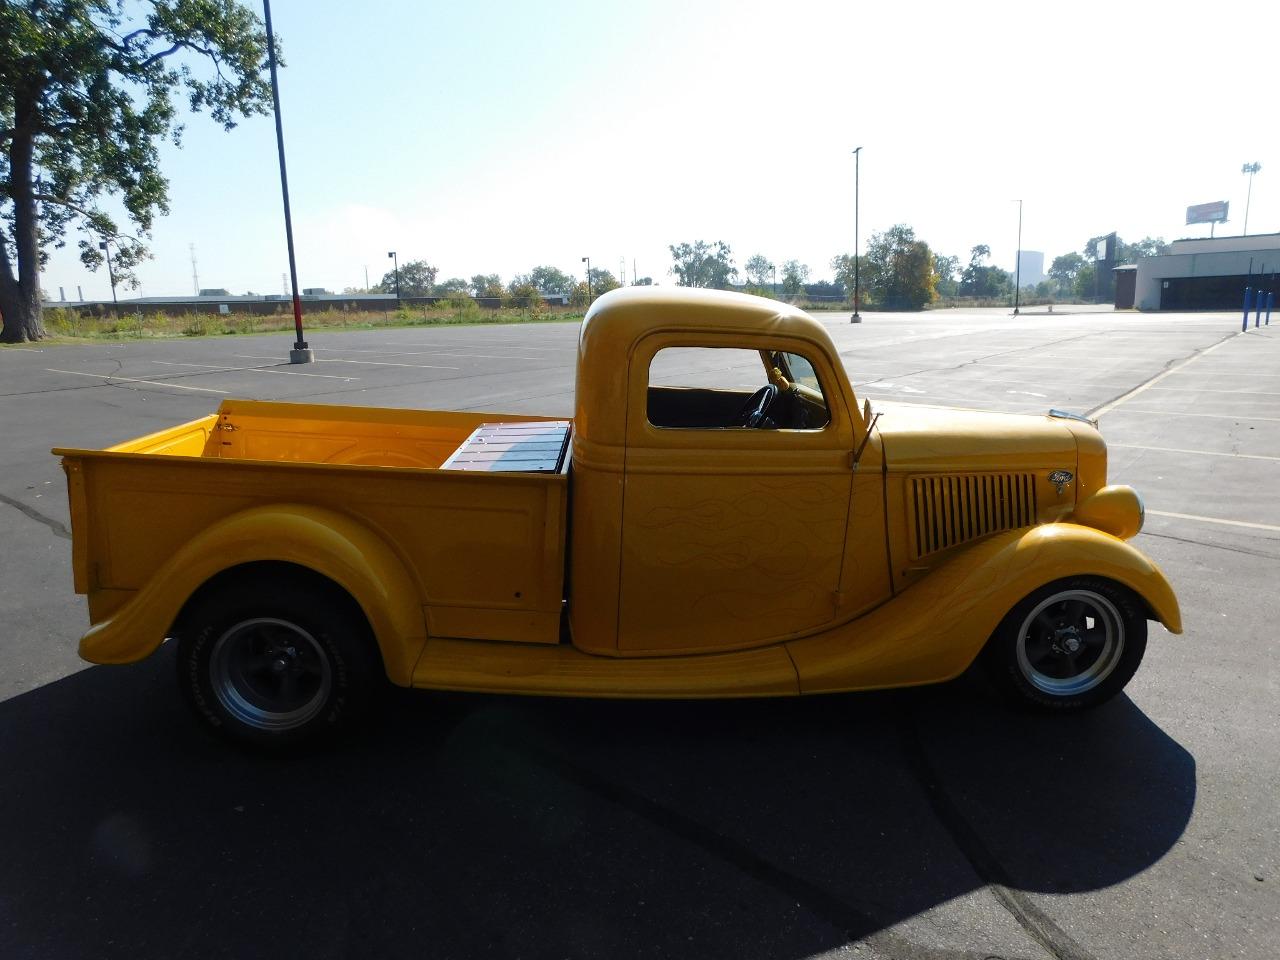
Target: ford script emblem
x,y
1060,478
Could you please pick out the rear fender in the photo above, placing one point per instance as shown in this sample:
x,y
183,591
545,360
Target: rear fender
x,y
328,543
934,630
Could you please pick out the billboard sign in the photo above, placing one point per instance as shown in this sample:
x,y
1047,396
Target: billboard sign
x,y
1215,212
1104,248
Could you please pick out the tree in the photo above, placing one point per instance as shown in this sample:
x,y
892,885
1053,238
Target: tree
x,y
453,285
898,270
1065,268
1146,247
794,275
842,266
703,264
980,279
551,280
944,272
526,296
417,279
759,271
486,285
602,281
1085,284
87,91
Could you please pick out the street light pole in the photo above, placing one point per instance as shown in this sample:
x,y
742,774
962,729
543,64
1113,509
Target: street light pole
x,y
587,261
395,262
1250,169
857,176
1017,267
300,353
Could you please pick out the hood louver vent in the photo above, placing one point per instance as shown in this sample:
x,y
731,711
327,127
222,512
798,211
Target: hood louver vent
x,y
954,509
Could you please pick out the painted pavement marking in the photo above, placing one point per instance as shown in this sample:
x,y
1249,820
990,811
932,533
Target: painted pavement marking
x,y
150,383
1199,519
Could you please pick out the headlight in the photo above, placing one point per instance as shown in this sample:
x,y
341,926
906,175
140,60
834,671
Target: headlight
x,y
1117,509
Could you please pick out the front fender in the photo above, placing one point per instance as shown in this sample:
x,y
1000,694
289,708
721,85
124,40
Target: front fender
x,y
329,543
933,631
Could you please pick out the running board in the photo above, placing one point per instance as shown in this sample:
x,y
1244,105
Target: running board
x,y
563,671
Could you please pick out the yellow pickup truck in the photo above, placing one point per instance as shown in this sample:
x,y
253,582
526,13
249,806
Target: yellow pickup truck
x,y
719,519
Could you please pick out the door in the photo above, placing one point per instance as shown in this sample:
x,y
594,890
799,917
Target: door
x,y
736,495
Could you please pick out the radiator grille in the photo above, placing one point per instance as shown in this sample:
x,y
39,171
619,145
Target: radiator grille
x,y
949,510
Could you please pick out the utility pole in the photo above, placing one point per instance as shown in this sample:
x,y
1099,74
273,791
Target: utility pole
x,y
857,176
195,277
587,261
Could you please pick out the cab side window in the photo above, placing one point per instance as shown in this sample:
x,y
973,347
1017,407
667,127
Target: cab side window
x,y
725,388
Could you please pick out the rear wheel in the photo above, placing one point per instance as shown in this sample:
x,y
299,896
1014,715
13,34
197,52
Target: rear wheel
x,y
276,664
1070,645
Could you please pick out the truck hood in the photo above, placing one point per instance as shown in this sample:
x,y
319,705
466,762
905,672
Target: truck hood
x,y
927,439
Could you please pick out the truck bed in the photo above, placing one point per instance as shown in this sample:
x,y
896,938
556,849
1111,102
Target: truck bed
x,y
485,547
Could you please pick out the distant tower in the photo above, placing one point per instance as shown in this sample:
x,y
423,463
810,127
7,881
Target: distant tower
x,y
284,284
195,277
622,271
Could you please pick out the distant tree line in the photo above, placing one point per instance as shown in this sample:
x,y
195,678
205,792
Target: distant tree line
x,y
898,271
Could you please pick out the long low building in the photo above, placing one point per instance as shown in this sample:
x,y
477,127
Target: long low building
x,y
1206,274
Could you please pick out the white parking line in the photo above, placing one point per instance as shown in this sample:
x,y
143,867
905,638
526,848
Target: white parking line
x,y
1229,523
435,353
1108,407
372,363
150,383
1208,416
387,363
1219,374
1201,453
1242,393
287,373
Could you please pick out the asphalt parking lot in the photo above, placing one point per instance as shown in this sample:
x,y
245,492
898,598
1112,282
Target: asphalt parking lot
x,y
929,823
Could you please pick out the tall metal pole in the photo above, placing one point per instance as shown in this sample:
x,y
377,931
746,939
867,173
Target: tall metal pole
x,y
1017,267
1250,169
587,261
395,263
300,353
857,176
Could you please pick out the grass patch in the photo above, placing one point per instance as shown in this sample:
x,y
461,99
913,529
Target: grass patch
x,y
72,325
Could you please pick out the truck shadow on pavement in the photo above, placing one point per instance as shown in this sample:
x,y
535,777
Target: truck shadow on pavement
x,y
491,826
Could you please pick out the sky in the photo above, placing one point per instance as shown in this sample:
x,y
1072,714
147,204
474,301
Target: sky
x,y
492,137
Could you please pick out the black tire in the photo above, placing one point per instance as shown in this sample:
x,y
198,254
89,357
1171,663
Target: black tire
x,y
1069,646
278,663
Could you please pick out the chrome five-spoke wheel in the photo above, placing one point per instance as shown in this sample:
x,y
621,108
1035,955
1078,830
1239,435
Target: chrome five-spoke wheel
x,y
270,674
1070,645
1070,642
274,655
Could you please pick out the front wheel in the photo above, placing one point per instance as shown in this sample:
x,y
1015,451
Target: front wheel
x,y
1070,645
275,665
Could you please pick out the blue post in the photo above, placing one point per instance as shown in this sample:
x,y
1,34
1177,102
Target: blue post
x,y
1271,299
1257,317
1248,304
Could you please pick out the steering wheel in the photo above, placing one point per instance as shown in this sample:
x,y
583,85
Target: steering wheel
x,y
757,405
